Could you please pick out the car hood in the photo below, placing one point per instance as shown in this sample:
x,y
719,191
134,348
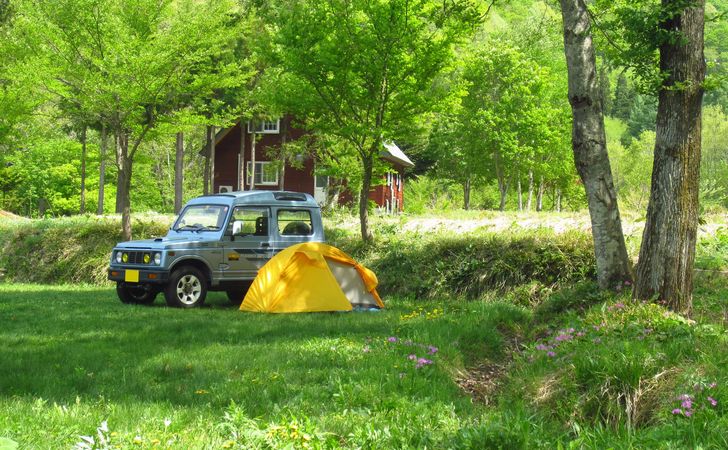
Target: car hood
x,y
169,241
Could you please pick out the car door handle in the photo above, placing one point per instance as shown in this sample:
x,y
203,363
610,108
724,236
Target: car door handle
x,y
265,244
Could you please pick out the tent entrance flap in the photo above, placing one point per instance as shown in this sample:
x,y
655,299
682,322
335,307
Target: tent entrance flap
x,y
351,284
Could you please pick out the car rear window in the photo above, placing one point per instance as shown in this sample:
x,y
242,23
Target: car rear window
x,y
294,222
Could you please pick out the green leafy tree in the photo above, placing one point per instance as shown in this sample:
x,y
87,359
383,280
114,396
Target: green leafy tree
x,y
507,120
714,161
663,45
126,63
362,71
624,96
590,147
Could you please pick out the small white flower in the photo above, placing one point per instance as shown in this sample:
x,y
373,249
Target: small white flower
x,y
167,422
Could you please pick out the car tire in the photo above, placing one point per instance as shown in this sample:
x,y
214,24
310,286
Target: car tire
x,y
236,296
187,288
138,294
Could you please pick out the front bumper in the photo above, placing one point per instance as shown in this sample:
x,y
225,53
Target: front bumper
x,y
131,275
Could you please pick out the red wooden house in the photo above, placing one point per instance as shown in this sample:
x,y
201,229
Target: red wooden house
x,y
233,161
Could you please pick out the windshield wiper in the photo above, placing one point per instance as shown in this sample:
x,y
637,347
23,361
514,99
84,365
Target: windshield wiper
x,y
189,228
197,228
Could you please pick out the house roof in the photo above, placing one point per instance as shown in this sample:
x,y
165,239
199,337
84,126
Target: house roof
x,y
393,153
224,132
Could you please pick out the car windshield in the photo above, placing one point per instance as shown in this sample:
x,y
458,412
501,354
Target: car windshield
x,y
201,218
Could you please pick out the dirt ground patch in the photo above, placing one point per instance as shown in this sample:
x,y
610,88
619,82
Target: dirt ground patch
x,y
8,215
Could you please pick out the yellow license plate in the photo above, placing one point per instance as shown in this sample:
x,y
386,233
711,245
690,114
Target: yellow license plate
x,y
131,276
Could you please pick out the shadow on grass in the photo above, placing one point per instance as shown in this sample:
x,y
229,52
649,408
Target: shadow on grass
x,y
59,343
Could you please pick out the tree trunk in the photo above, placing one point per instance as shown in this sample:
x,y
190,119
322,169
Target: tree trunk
x,y
213,132
590,150
502,182
520,192
102,170
539,194
529,203
366,186
118,207
503,189
557,199
179,177
665,267
241,157
206,170
282,172
124,186
252,159
466,194
82,209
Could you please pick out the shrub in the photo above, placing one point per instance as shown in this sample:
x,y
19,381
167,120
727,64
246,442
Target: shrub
x,y
67,250
470,265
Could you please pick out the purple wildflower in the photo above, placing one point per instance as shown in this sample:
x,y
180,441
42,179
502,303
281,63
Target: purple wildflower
x,y
412,357
677,411
551,354
713,402
627,283
563,337
392,339
712,385
687,404
422,362
542,347
580,334
684,397
431,349
688,413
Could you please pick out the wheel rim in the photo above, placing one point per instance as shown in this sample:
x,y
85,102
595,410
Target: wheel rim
x,y
189,289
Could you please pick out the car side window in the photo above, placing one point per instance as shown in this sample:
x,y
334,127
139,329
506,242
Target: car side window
x,y
293,222
250,221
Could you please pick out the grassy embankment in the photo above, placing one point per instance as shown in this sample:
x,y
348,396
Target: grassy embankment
x,y
548,365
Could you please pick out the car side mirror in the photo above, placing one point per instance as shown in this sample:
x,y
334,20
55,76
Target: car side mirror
x,y
237,227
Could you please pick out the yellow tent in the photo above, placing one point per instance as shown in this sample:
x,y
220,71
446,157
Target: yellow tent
x,y
312,277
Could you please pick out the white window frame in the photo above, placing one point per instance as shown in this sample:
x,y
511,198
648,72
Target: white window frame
x,y
259,172
265,126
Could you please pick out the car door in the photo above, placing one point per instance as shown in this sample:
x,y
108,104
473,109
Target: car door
x,y
248,249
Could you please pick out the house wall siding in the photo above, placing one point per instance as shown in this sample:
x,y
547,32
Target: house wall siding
x,y
228,149
296,179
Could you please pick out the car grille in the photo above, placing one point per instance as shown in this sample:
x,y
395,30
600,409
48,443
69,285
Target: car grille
x,y
136,257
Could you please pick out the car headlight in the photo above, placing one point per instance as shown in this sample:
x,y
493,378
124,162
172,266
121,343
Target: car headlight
x,y
147,258
124,257
118,257
157,258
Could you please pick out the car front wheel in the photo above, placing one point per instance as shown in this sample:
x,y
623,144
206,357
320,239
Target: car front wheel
x,y
139,294
187,288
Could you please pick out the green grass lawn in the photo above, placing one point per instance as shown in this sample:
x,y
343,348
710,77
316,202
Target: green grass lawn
x,y
76,362
75,357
